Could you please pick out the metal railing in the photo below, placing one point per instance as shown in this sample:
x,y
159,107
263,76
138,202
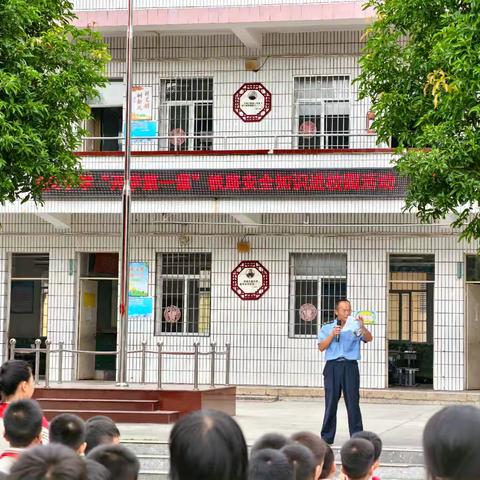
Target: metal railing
x,y
96,5
218,142
60,351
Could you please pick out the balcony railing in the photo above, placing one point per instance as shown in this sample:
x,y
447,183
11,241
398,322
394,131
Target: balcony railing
x,y
95,5
338,141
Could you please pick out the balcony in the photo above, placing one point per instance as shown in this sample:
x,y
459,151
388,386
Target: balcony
x,y
180,143
96,5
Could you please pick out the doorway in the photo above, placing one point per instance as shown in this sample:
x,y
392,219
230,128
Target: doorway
x,y
28,316
97,322
410,320
472,331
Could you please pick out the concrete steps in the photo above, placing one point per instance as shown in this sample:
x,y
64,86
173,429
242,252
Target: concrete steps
x,y
133,404
99,404
396,463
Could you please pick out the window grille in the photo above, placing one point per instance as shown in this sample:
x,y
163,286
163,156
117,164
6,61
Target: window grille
x,y
322,106
319,280
186,113
411,298
183,293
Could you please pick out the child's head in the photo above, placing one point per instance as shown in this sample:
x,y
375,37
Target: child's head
x,y
329,468
118,460
376,442
316,445
302,460
100,430
273,440
16,380
51,461
269,464
451,443
69,430
23,423
357,456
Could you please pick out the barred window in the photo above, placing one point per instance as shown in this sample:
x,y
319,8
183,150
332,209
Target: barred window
x,y
317,281
322,112
183,293
412,280
186,113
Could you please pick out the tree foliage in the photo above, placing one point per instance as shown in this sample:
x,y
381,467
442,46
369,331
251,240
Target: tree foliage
x,y
421,69
48,70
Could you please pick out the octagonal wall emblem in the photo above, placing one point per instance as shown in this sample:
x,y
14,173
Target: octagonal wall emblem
x,y
250,280
252,102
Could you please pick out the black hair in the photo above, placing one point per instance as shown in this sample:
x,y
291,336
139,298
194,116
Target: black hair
x,y
302,460
269,464
22,422
96,471
340,300
270,440
67,429
314,443
451,443
53,462
357,456
100,430
372,437
207,444
121,462
328,461
12,373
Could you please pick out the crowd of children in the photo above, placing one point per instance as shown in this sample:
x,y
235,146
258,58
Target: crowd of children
x,y
209,445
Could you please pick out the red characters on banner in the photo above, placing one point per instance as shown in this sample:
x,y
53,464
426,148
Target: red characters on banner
x,y
212,183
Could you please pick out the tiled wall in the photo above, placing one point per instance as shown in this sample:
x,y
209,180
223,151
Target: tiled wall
x,y
263,354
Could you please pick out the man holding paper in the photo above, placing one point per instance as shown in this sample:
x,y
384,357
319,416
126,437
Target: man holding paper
x,y
341,341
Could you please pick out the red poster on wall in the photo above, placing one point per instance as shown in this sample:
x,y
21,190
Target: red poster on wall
x,y
250,280
252,102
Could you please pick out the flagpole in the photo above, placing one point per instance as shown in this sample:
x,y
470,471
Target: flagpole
x,y
126,204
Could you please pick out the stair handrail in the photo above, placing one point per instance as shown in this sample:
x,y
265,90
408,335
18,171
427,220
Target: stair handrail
x,y
213,352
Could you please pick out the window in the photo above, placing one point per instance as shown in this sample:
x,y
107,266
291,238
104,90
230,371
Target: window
x,y
318,280
411,298
473,268
183,293
106,119
29,297
322,112
187,113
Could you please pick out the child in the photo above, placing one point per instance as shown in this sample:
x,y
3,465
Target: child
x,y
377,446
329,468
16,383
69,430
23,427
357,459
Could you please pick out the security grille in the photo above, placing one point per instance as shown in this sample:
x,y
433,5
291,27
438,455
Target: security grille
x,y
183,293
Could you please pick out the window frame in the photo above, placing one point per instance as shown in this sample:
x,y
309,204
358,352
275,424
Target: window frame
x,y
186,312
322,101
165,117
319,279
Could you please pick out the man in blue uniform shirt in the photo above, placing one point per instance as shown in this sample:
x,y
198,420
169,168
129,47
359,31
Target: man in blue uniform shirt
x,y
341,342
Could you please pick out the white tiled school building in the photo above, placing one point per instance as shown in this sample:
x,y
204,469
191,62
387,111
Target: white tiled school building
x,y
260,198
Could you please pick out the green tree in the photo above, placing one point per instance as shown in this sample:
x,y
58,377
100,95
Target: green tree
x,y
48,70
421,69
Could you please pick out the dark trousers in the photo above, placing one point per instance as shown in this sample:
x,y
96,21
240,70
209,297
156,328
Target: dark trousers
x,y
341,376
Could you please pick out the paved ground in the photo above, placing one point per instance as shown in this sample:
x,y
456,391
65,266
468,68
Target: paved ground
x,y
399,426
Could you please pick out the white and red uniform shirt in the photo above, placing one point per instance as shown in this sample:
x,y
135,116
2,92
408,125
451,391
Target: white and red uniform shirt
x,y
8,457
4,445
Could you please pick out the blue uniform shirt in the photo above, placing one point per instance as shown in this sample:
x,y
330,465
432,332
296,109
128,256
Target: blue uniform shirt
x,y
349,344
